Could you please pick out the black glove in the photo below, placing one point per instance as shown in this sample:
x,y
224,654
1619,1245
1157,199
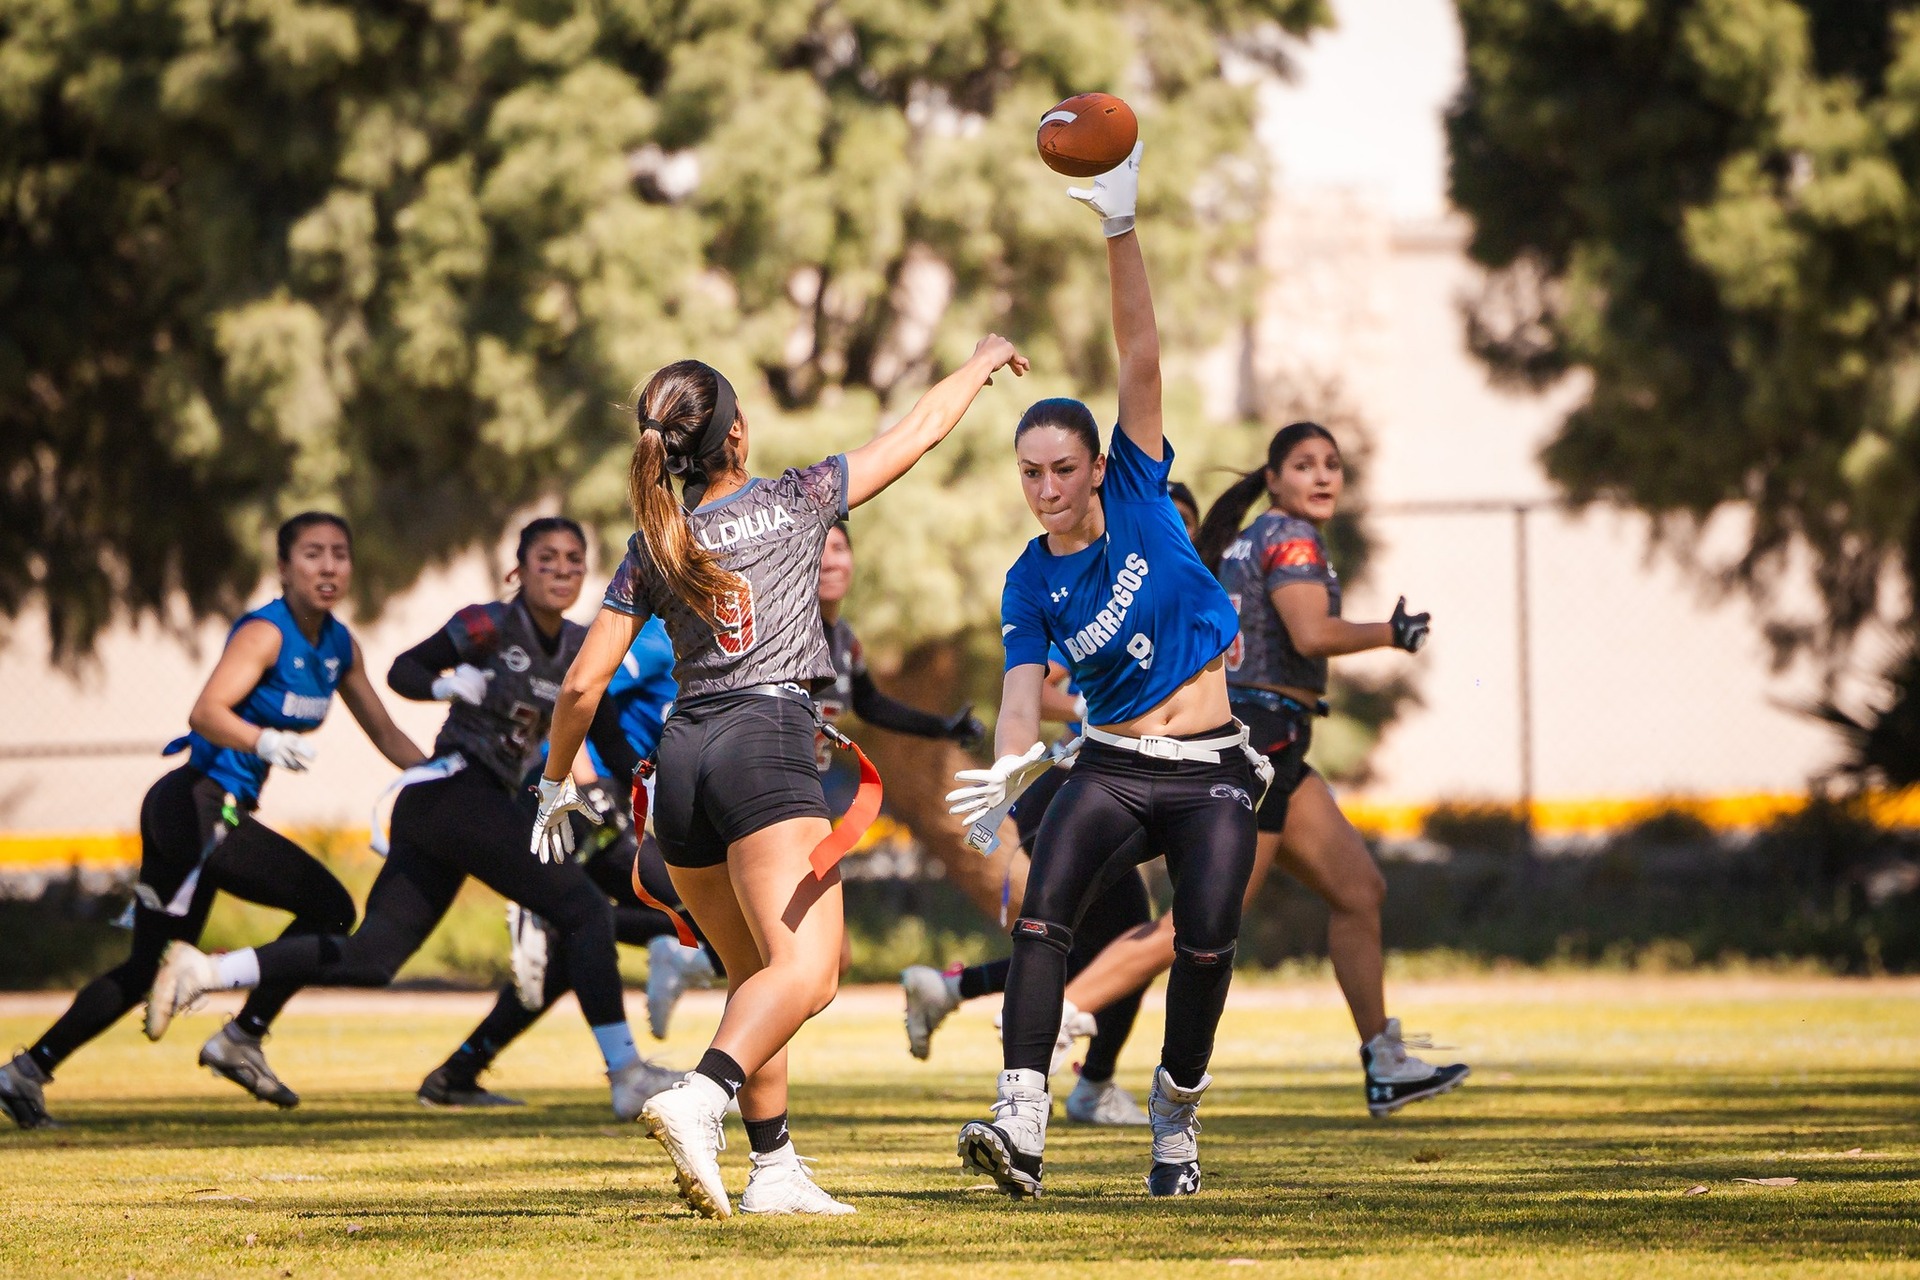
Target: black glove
x,y
965,728
1409,629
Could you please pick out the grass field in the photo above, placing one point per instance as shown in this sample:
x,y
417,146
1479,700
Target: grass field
x,y
1596,1103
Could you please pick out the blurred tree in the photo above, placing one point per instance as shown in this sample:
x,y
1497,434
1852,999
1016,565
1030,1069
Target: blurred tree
x,y
1709,207
402,259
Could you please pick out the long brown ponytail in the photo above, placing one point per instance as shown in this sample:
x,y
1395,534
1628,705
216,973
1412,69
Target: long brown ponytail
x,y
1229,510
674,411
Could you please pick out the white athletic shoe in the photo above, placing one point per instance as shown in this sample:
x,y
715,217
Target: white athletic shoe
x,y
1104,1103
1074,1025
232,1053
931,996
671,969
688,1120
531,947
1395,1077
634,1083
185,975
1175,1115
781,1183
1009,1147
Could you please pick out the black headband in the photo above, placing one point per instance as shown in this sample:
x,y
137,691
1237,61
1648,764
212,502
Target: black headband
x,y
719,422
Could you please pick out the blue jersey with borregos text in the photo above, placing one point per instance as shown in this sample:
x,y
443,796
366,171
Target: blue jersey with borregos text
x,y
293,694
1136,614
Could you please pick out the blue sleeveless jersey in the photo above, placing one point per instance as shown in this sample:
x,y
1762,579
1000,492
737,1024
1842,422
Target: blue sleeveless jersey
x,y
294,694
1136,614
643,690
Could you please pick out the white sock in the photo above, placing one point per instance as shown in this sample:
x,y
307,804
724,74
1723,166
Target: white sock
x,y
952,981
237,969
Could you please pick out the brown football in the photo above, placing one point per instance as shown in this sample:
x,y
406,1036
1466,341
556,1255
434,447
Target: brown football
x,y
1087,134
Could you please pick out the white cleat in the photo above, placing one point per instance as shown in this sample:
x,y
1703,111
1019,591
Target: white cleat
x,y
671,969
931,996
531,947
1175,1115
1105,1103
688,1120
781,1183
634,1083
186,974
1395,1077
1010,1148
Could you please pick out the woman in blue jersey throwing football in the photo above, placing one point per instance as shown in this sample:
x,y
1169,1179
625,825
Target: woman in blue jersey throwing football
x,y
274,683
1114,582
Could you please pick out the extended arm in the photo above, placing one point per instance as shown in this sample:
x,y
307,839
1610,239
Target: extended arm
x,y
363,701
891,454
253,649
1303,607
1114,196
413,672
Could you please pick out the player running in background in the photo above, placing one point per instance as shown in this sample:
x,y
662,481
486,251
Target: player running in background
x,y
1288,596
732,564
1114,581
641,693
273,684
499,666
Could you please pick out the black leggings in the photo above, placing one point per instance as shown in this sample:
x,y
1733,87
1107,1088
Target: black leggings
x,y
443,832
1123,906
251,861
633,924
1201,816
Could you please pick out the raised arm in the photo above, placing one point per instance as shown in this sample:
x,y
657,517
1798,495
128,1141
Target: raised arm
x,y
1114,196
891,454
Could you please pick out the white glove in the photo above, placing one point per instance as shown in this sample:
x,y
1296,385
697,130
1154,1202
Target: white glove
x,y
986,788
465,682
1113,195
286,749
552,833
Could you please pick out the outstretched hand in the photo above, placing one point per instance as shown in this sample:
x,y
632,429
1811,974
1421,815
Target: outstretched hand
x,y
1002,354
1114,195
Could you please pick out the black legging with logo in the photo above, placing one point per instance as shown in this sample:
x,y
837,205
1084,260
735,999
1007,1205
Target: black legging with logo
x,y
444,831
179,817
1112,812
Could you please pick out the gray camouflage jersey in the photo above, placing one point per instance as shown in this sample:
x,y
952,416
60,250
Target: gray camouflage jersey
x,y
504,733
1275,550
769,534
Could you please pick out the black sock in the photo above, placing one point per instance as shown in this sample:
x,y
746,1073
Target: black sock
x,y
767,1136
251,1024
44,1058
984,979
720,1068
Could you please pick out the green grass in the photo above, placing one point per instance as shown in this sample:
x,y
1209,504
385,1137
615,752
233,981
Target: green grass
x,y
1595,1103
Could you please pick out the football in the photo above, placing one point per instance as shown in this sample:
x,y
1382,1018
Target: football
x,y
1087,134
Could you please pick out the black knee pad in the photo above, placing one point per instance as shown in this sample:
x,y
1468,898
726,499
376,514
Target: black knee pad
x,y
1057,936
1204,958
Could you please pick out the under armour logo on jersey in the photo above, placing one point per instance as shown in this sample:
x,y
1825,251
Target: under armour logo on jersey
x,y
333,666
1059,595
299,664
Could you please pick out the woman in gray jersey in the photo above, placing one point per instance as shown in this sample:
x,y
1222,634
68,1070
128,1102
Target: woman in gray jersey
x,y
732,564
1278,576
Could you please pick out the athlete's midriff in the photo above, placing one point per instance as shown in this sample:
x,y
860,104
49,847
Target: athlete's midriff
x,y
1196,706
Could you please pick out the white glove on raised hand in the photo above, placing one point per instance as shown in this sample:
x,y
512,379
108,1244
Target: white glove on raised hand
x,y
465,682
552,833
986,788
1114,195
285,749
